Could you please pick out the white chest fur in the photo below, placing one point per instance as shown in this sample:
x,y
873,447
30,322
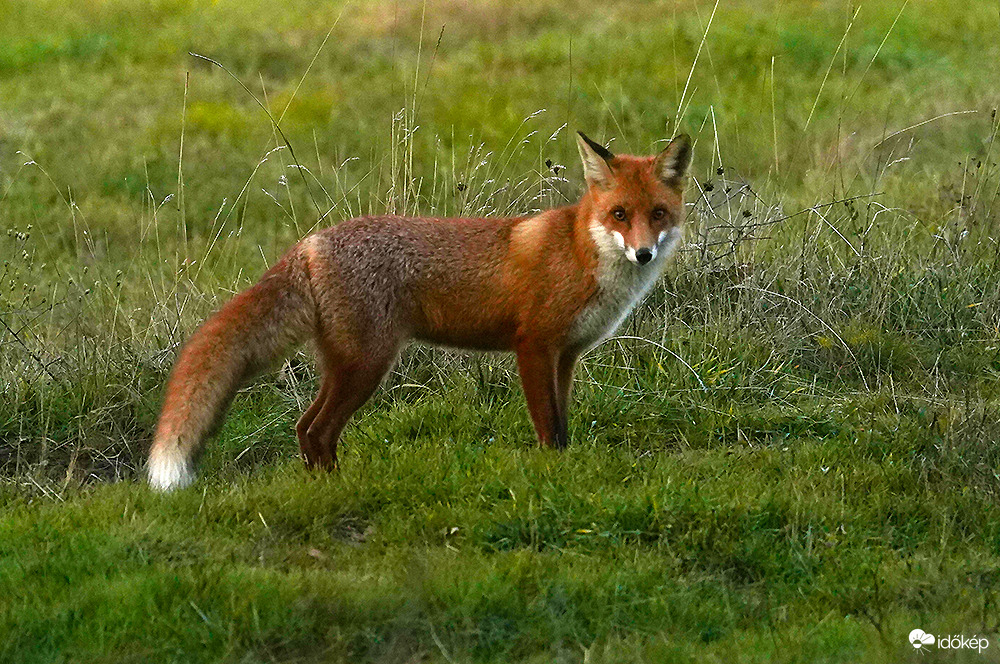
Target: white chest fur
x,y
621,285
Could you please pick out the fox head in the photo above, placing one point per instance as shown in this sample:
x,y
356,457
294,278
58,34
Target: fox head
x,y
635,204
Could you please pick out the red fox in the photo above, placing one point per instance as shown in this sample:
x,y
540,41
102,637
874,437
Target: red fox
x,y
549,287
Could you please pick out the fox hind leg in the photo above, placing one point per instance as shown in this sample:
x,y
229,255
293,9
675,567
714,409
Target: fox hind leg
x,y
310,454
345,389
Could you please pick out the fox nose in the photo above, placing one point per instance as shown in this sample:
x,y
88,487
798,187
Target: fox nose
x,y
643,256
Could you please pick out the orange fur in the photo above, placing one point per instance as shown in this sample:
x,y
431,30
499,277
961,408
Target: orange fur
x,y
547,287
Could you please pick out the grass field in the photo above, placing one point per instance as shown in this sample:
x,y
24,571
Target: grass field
x,y
789,453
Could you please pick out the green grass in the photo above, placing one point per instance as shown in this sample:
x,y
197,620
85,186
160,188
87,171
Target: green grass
x,y
789,454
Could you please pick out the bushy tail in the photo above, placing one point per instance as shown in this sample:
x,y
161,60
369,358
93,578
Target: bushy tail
x,y
250,333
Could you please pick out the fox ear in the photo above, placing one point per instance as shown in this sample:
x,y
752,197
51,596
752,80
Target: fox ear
x,y
596,162
671,165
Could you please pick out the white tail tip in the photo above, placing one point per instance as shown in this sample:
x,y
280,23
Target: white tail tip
x,y
168,470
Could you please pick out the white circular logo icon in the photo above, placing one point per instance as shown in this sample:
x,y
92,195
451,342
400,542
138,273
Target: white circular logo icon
x,y
919,638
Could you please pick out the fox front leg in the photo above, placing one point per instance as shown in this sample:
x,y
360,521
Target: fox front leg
x,y
537,365
564,388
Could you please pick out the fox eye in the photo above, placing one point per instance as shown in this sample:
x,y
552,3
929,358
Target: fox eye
x,y
619,214
659,213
